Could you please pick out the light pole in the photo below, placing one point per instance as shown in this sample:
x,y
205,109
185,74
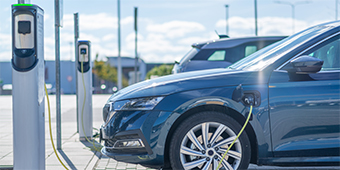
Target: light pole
x,y
255,6
227,17
336,9
119,71
293,9
136,54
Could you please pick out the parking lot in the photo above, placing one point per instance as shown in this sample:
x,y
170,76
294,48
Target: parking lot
x,y
75,154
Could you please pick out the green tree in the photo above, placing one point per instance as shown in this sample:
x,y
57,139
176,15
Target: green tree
x,y
161,70
106,72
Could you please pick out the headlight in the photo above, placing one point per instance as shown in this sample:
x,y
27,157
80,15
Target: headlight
x,y
106,110
147,103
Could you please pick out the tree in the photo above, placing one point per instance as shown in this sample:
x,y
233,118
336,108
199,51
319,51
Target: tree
x,y
106,72
160,71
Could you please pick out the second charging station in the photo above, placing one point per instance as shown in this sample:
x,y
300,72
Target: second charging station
x,y
84,90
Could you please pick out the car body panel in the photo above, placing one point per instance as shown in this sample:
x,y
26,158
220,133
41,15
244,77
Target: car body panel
x,y
295,107
170,84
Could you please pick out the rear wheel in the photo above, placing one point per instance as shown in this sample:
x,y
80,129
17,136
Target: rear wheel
x,y
200,141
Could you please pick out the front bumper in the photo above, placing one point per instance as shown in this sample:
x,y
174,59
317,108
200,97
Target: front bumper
x,y
143,126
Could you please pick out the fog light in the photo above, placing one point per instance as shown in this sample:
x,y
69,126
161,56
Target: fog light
x,y
128,143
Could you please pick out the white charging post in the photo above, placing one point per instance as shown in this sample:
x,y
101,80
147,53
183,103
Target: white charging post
x,y
84,85
28,86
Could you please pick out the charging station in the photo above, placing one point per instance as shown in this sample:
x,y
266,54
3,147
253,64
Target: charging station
x,y
84,90
28,86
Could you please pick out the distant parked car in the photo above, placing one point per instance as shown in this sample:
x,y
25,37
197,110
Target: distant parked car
x,y
189,120
221,53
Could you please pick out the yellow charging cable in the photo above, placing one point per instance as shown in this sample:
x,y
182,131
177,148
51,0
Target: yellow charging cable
x,y
49,123
239,134
82,109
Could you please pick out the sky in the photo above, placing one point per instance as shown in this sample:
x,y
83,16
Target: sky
x,y
166,28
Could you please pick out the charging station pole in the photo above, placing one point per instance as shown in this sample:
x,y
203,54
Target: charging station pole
x,y
28,86
84,92
76,36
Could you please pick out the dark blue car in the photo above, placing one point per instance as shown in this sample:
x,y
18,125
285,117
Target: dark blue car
x,y
188,120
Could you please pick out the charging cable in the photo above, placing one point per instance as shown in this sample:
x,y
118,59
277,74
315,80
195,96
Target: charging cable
x,y
49,123
239,134
82,109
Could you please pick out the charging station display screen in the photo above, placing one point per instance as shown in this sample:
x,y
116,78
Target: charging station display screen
x,y
24,27
83,51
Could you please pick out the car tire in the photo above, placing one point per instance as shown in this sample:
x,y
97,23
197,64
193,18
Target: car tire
x,y
189,151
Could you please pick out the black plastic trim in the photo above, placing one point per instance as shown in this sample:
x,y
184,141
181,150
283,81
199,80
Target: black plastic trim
x,y
140,134
19,61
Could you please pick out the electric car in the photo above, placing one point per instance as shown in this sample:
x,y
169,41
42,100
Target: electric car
x,y
188,120
221,53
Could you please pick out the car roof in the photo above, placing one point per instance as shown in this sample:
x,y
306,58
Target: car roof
x,y
231,42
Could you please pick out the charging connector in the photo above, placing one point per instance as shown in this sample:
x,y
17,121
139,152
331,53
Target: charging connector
x,y
49,123
238,135
248,98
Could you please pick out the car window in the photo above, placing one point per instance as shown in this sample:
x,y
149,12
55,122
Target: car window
x,y
329,54
268,55
217,56
190,54
250,49
204,54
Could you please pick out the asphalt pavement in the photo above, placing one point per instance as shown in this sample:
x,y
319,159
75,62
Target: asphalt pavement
x,y
76,154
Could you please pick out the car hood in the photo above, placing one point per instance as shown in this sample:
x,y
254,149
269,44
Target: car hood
x,y
170,84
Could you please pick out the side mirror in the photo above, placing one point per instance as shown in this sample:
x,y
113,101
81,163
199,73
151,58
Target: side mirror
x,y
304,65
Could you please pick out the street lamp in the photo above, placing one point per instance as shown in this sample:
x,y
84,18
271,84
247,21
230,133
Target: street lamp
x,y
255,10
227,25
336,9
119,70
293,9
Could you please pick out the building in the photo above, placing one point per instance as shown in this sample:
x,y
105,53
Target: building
x,y
128,67
68,78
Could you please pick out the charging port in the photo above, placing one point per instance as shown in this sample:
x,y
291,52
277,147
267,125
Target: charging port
x,y
252,97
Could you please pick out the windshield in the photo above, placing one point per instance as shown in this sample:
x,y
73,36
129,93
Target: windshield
x,y
189,55
268,55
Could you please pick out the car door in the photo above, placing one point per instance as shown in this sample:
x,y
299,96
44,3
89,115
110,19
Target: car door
x,y
305,114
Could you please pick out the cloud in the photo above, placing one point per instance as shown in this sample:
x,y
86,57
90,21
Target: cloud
x,y
95,21
6,41
109,37
166,42
6,47
192,40
90,37
175,29
157,42
127,20
5,56
47,17
267,26
156,47
91,21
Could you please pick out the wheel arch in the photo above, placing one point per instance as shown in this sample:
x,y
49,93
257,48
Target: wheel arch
x,y
217,108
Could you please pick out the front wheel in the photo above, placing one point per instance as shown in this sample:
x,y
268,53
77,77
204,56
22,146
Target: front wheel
x,y
200,141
